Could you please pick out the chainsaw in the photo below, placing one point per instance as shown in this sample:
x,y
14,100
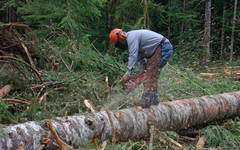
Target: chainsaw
x,y
133,83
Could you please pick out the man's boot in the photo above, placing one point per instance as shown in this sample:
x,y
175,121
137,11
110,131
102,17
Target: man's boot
x,y
146,99
149,97
155,100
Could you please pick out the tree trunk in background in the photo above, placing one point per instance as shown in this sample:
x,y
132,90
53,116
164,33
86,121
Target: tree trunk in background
x,y
146,20
207,32
233,28
107,30
128,123
9,15
145,14
110,12
169,21
184,8
107,27
223,33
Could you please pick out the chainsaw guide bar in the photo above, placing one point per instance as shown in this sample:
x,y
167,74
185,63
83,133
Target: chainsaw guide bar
x,y
133,83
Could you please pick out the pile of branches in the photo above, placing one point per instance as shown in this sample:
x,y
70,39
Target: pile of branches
x,y
17,39
17,46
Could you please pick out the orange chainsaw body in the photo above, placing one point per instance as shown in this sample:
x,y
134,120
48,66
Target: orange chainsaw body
x,y
134,82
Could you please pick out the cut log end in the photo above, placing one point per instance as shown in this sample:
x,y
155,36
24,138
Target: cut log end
x,y
238,76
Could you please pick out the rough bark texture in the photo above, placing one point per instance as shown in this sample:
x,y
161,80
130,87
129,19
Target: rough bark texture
x,y
207,32
223,32
233,30
129,123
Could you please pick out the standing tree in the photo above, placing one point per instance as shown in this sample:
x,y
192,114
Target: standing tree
x,y
223,33
233,28
110,18
207,32
145,13
169,21
184,8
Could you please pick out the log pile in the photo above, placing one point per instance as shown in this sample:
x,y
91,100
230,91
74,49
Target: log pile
x,y
226,71
132,123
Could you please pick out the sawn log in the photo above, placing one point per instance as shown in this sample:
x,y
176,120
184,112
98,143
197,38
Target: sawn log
x,y
128,123
5,90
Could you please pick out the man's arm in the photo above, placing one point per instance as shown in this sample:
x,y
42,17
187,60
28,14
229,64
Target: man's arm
x,y
133,45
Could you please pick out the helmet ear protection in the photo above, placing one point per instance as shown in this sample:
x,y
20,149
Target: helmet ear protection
x,y
121,35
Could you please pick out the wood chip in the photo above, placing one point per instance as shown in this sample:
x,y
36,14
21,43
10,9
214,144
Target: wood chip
x,y
20,148
117,115
201,142
89,106
46,141
139,108
104,144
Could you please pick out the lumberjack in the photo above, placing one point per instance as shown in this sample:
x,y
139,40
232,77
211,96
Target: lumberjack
x,y
152,51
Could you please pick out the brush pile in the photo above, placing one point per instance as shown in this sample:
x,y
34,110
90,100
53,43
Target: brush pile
x,y
18,40
17,48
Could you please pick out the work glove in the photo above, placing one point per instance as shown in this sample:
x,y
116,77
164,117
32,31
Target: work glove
x,y
126,78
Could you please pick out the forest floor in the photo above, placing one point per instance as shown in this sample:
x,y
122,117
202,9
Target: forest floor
x,y
63,94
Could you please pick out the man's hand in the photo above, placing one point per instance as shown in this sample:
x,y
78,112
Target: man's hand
x,y
126,78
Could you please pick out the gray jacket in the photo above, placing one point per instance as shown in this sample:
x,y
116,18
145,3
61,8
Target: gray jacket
x,y
142,45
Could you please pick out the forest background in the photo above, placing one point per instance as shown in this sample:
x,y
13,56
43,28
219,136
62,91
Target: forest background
x,y
77,61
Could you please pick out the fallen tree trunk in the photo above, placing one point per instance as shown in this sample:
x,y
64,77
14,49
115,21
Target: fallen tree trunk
x,y
128,123
209,75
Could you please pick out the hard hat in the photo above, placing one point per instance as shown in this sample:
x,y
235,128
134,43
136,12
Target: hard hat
x,y
113,35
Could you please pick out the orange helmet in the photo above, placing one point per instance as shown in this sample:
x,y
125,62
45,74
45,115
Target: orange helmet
x,y
113,35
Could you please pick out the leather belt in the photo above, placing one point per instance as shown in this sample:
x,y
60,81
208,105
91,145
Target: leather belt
x,y
163,40
165,43
162,43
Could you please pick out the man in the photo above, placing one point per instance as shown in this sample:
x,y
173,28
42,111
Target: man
x,y
152,51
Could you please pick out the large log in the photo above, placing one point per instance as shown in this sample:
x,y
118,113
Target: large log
x,y
128,123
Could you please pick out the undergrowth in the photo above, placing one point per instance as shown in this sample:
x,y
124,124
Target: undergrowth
x,y
226,135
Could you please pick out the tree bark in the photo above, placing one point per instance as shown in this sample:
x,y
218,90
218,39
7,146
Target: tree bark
x,y
207,32
233,29
130,123
223,33
145,11
183,20
110,14
169,21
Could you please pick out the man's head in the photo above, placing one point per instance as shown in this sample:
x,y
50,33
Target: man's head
x,y
118,37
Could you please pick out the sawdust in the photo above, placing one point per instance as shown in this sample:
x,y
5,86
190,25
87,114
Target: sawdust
x,y
119,100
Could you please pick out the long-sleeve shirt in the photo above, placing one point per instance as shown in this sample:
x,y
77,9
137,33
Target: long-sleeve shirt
x,y
142,45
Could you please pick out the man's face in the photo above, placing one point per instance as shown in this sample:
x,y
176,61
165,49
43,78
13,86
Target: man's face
x,y
122,44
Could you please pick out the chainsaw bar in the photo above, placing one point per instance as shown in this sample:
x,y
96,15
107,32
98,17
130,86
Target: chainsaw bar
x,y
133,83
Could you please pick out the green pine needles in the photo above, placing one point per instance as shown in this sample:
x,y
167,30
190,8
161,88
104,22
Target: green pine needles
x,y
223,136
